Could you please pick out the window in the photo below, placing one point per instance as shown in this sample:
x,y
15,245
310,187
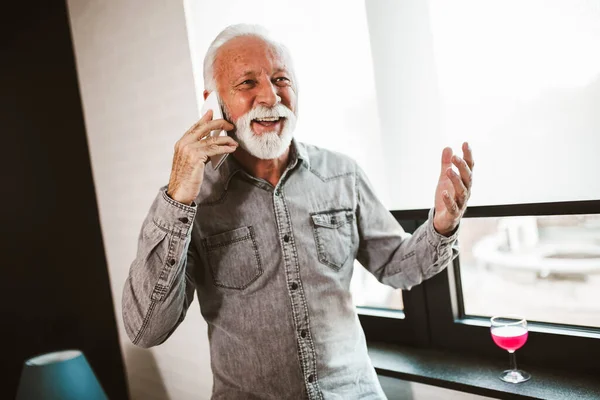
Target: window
x,y
368,292
544,267
519,80
561,327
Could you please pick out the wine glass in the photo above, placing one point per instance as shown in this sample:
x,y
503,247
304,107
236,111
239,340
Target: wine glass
x,y
510,333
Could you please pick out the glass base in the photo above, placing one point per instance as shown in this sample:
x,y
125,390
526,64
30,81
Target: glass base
x,y
514,376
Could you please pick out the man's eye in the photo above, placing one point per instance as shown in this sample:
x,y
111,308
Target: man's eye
x,y
282,80
248,82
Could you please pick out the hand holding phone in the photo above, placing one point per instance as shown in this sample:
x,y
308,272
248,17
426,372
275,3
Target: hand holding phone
x,y
205,141
213,103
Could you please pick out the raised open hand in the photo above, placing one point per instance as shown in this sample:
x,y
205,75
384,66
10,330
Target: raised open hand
x,y
453,190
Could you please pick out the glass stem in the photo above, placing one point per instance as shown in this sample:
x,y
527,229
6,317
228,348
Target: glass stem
x,y
513,360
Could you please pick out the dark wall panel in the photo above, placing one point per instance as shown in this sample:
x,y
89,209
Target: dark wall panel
x,y
55,288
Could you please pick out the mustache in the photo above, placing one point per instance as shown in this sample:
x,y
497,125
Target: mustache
x,y
277,111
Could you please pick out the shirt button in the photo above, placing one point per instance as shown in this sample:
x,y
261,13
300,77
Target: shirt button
x,y
172,261
303,333
311,378
286,238
277,193
185,220
294,286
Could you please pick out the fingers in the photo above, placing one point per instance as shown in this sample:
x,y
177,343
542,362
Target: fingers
x,y
206,147
208,116
468,155
204,126
203,131
215,141
217,124
205,118
465,172
216,150
460,190
200,151
215,145
451,205
455,198
446,159
191,134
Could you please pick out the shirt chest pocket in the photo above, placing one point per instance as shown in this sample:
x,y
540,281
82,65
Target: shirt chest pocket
x,y
233,258
333,236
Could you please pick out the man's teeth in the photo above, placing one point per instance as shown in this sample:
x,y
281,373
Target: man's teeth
x,y
269,119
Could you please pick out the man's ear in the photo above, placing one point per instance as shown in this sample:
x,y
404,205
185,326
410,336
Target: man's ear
x,y
206,93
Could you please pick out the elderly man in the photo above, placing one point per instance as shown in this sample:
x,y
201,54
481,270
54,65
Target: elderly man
x,y
269,239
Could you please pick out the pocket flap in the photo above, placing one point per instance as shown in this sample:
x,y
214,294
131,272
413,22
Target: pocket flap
x,y
332,219
225,238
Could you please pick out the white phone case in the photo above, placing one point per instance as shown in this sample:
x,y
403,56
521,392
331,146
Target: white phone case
x,y
212,103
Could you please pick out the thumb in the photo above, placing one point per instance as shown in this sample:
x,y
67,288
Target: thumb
x,y
446,160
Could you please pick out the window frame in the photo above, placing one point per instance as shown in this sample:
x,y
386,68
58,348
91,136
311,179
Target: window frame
x,y
446,325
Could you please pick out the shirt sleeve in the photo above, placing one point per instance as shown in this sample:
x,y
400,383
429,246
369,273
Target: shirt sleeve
x,y
160,285
394,257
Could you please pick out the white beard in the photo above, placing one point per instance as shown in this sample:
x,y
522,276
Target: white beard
x,y
268,145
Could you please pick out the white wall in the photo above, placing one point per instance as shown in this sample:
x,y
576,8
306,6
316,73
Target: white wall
x,y
138,96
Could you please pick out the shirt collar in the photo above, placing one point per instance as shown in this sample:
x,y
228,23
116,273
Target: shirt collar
x,y
300,152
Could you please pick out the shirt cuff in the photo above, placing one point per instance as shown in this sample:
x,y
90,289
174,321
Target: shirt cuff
x,y
173,216
436,239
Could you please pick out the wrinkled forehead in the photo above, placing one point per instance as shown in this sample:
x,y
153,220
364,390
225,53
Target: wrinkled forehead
x,y
248,54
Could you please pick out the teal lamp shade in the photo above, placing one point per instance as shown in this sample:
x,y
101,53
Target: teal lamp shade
x,y
64,375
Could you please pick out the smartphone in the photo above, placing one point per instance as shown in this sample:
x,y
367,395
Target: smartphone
x,y
214,103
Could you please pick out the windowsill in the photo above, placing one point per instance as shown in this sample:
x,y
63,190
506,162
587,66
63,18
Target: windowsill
x,y
477,375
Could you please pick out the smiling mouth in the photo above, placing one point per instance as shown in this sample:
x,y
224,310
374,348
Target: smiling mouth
x,y
267,122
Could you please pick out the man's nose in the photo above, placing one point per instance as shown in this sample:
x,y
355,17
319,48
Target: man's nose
x,y
267,95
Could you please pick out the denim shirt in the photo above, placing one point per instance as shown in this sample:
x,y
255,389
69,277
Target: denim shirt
x,y
272,269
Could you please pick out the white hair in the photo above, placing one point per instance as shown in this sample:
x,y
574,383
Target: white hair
x,y
232,32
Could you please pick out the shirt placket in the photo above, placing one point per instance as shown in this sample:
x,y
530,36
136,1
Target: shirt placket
x,y
306,348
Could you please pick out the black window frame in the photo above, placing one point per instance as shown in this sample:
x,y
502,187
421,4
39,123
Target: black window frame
x,y
440,323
